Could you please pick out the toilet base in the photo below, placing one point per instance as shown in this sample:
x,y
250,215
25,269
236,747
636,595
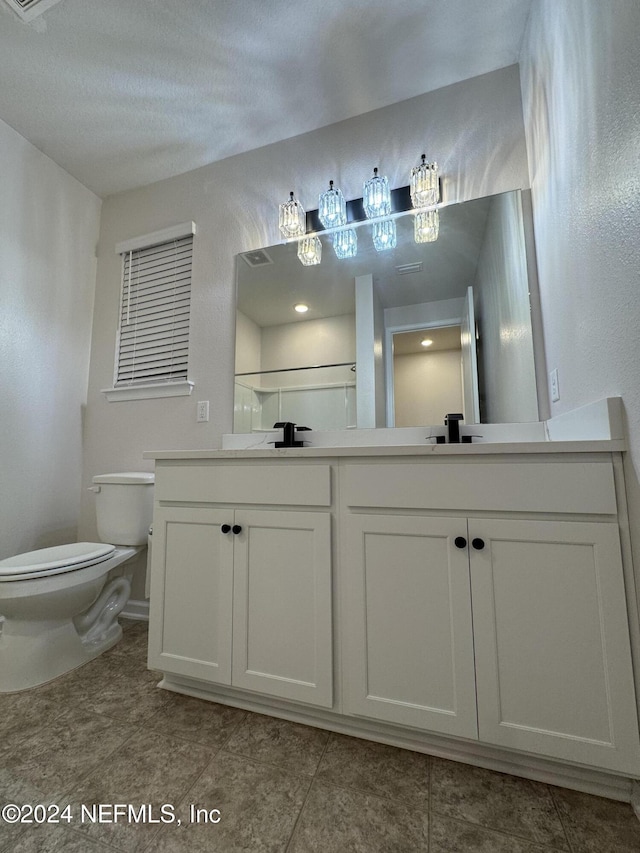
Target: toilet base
x,y
54,624
29,661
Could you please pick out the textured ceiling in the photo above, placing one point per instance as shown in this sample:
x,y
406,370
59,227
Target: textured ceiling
x,y
121,93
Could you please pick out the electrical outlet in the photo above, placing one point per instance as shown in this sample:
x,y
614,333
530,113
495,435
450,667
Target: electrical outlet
x,y
555,387
202,414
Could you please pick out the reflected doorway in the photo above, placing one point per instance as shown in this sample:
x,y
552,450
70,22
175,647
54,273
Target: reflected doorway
x,y
427,375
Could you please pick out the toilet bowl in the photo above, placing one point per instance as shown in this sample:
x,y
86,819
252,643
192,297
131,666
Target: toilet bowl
x,y
59,605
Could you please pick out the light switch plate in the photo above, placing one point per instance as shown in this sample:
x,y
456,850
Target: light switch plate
x,y
555,387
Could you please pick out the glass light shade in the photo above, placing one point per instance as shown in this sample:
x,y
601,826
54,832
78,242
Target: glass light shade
x,y
425,189
345,244
384,235
292,220
376,196
332,208
309,251
427,226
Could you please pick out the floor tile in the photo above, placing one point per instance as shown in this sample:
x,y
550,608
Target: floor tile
x,y
151,769
106,733
197,720
288,745
258,806
376,769
496,801
56,839
595,824
17,791
452,836
23,713
127,699
120,687
135,639
337,820
56,755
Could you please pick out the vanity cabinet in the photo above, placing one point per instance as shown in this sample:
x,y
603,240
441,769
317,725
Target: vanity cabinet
x,y
513,631
481,599
240,595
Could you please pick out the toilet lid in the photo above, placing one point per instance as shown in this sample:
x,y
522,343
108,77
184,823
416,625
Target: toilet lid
x,y
54,560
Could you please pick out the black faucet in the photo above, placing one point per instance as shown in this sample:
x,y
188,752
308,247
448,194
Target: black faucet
x,y
452,421
289,434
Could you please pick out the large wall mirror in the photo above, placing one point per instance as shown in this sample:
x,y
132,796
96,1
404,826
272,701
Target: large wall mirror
x,y
359,355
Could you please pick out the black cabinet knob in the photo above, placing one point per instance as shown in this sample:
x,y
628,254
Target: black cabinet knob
x,y
478,544
236,529
460,542
226,528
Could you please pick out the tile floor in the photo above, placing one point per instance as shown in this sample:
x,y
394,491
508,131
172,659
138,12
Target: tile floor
x,y
105,734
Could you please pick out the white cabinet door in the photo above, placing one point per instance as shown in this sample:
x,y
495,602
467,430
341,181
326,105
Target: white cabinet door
x,y
191,592
553,659
282,630
407,623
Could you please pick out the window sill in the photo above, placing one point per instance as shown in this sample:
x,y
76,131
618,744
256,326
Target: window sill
x,y
146,392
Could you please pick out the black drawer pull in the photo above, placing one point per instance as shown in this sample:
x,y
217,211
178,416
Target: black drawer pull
x,y
478,544
226,528
460,542
236,529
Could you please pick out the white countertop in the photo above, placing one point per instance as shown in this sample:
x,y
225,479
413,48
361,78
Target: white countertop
x,y
435,450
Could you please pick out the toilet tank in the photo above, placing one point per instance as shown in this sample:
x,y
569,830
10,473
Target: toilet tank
x,y
124,507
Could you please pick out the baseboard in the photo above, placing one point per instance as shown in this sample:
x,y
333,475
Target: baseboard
x,y
136,610
635,798
551,772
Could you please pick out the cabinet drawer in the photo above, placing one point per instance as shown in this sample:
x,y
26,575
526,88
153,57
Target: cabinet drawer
x,y
575,487
298,485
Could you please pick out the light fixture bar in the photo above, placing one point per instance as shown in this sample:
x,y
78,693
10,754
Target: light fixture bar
x,y
359,223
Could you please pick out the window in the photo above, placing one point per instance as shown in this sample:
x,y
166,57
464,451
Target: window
x,y
152,349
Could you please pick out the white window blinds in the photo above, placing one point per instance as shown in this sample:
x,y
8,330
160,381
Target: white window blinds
x,y
153,339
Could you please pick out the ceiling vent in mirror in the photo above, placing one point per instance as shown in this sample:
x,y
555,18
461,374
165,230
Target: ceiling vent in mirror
x,y
257,258
30,9
407,269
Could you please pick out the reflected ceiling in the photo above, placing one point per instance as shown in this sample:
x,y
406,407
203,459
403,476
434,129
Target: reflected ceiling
x,y
267,294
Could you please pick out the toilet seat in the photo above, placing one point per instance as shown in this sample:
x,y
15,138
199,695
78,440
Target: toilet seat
x,y
54,561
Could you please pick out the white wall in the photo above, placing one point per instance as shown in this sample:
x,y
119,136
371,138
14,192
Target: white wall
x,y
501,297
48,234
248,344
328,340
473,129
581,93
444,312
426,387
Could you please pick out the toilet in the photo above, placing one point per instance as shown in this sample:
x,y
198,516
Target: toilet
x,y
59,606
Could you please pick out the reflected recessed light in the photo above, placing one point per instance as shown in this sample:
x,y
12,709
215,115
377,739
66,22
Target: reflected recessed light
x,y
301,308
426,342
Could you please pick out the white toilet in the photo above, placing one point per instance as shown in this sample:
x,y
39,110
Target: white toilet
x,y
58,605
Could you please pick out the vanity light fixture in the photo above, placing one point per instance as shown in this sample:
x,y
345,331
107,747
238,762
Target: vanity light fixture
x,y
332,208
384,235
376,196
379,207
426,226
292,220
345,244
301,308
424,187
309,251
